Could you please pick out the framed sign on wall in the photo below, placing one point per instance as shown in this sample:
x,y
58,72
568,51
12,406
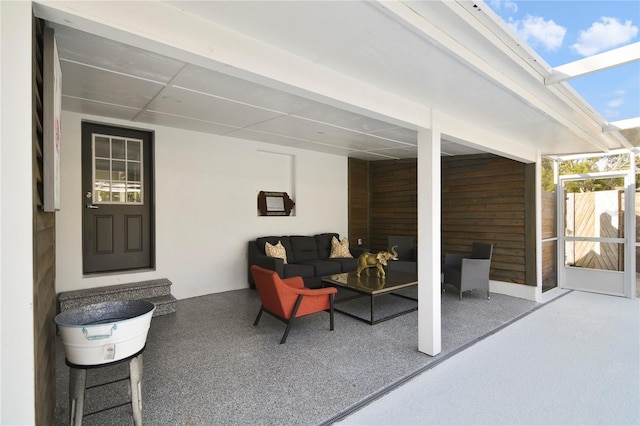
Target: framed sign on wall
x,y
274,203
52,108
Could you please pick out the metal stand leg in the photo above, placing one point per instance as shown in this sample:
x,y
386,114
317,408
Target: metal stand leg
x,y
135,377
77,382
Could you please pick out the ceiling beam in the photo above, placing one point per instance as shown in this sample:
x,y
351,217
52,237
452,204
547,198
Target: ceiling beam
x,y
630,123
602,61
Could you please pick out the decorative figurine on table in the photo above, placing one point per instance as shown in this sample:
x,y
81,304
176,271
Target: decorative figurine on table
x,y
378,260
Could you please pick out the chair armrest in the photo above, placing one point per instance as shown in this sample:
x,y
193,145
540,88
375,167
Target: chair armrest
x,y
476,268
452,260
297,285
316,291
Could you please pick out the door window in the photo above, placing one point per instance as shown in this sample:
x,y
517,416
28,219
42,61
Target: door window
x,y
117,170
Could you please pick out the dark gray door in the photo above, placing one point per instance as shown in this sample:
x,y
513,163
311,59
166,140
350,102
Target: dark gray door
x,y
117,199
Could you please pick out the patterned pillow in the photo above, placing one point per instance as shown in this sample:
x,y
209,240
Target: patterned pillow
x,y
276,251
340,248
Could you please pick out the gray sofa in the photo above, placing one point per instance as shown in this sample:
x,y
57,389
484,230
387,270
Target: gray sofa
x,y
307,257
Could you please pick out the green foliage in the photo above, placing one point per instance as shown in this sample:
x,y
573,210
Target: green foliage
x,y
548,181
590,165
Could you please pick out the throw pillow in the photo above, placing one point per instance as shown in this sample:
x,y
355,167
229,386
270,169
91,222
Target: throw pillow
x,y
340,248
276,251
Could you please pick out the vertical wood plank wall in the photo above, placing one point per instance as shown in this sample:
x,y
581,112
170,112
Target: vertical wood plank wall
x,y
484,198
44,297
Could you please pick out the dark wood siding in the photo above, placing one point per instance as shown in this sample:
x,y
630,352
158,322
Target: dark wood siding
x,y
44,297
484,198
359,219
394,200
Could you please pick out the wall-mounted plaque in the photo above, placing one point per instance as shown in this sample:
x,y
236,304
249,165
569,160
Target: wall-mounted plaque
x,y
274,203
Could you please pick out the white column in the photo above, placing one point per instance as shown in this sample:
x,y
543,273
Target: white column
x,y
17,388
429,224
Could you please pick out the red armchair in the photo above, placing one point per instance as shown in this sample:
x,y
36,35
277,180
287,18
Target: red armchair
x,y
288,299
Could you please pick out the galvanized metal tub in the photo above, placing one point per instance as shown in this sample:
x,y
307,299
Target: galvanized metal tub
x,y
105,332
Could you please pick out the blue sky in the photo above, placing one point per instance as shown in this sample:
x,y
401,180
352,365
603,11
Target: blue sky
x,y
565,31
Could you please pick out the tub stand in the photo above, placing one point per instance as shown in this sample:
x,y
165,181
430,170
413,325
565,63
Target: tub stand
x,y
77,385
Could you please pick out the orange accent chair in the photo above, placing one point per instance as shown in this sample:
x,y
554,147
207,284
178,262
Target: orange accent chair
x,y
288,299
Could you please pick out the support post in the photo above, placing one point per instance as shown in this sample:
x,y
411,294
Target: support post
x,y
429,224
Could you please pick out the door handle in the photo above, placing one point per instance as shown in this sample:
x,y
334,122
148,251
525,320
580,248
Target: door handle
x,y
91,206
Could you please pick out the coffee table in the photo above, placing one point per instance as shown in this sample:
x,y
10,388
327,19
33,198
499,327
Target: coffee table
x,y
372,286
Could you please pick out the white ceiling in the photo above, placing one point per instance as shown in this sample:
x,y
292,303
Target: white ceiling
x,y
130,79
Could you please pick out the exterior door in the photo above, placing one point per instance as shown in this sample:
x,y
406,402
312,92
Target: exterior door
x,y
594,243
117,199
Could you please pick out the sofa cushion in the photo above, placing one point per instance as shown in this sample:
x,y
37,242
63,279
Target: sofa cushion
x,y
298,270
347,264
323,242
340,248
277,250
324,267
274,240
303,248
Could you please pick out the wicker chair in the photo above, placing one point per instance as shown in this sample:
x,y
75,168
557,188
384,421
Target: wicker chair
x,y
469,272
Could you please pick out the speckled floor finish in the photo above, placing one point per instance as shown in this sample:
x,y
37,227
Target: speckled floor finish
x,y
208,365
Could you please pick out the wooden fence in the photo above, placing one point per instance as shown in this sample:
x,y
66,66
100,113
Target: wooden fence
x,y
597,215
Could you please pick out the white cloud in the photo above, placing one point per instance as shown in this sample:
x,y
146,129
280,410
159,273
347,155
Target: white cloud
x,y
611,114
504,4
604,34
614,103
536,31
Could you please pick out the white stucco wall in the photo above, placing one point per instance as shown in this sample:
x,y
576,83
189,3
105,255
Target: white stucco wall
x,y
205,194
17,385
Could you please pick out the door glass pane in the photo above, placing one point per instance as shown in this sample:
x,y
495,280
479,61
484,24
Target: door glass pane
x,y
594,214
102,147
118,168
133,171
117,192
594,210
117,173
133,192
134,151
103,170
102,191
117,149
595,255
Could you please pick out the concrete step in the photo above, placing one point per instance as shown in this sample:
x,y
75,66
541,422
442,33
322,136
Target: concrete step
x,y
156,291
164,304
